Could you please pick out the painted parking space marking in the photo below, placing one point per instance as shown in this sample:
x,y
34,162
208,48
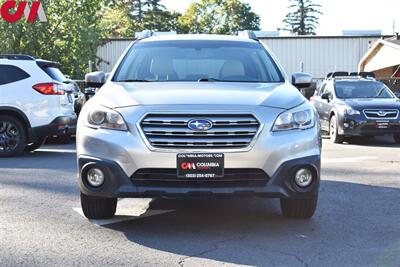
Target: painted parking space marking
x,y
51,150
128,209
347,160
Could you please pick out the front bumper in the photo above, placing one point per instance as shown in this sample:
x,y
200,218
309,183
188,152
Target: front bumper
x,y
361,126
279,185
60,125
126,153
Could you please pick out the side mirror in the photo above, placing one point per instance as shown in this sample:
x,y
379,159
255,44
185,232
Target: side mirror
x,y
301,80
326,97
95,79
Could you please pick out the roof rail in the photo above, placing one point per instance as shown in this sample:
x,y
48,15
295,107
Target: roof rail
x,y
248,34
346,77
16,57
353,78
144,34
148,33
364,74
367,74
339,73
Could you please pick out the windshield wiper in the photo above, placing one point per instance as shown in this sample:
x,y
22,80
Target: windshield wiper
x,y
209,80
134,81
231,81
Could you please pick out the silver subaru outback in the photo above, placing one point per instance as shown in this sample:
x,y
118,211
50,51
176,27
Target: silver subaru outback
x,y
198,116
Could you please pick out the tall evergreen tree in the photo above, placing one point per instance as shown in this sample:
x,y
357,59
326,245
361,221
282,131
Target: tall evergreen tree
x,y
302,18
154,5
137,10
126,16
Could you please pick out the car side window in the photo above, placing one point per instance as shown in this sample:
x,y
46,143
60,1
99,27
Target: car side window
x,y
329,91
11,74
322,89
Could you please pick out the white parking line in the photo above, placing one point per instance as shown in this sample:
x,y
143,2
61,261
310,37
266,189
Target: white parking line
x,y
347,160
128,209
72,151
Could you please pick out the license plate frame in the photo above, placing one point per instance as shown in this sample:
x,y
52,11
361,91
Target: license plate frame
x,y
382,124
200,165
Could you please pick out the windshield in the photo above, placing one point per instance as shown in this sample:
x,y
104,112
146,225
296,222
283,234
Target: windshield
x,y
362,89
225,61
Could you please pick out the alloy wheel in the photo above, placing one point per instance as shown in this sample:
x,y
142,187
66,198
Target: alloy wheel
x,y
9,136
332,128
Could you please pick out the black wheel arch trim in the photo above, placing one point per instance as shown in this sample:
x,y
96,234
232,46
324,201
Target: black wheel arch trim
x,y
339,119
333,112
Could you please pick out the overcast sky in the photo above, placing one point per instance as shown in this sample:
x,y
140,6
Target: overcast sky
x,y
338,14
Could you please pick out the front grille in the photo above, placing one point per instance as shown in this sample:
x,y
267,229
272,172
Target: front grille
x,y
172,131
381,113
168,177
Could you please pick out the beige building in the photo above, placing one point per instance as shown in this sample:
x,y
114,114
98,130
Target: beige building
x,y
383,59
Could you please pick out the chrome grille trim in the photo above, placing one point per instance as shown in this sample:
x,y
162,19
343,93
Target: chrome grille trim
x,y
389,114
171,131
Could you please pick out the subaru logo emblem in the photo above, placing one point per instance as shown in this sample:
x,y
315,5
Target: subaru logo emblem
x,y
382,113
200,125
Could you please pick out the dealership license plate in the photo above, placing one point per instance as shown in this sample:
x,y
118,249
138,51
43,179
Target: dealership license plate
x,y
382,124
198,166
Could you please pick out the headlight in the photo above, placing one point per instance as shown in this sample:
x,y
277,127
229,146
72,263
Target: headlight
x,y
290,120
350,111
106,119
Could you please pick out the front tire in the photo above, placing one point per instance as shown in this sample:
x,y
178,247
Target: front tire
x,y
12,136
334,136
97,207
299,208
396,138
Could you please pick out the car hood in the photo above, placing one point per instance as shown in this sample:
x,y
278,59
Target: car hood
x,y
373,103
277,95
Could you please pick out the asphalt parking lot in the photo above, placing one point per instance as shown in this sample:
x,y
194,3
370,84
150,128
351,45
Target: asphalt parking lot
x,y
356,224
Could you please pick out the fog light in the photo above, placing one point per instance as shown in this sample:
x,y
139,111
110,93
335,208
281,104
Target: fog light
x,y
95,177
303,177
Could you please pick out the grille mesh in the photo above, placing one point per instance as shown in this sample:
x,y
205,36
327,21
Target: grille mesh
x,y
168,177
172,131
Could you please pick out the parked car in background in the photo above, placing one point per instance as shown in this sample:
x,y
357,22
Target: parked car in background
x,y
35,102
90,92
78,96
198,115
357,106
79,99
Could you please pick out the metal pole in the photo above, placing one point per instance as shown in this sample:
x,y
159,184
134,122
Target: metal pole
x,y
394,26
